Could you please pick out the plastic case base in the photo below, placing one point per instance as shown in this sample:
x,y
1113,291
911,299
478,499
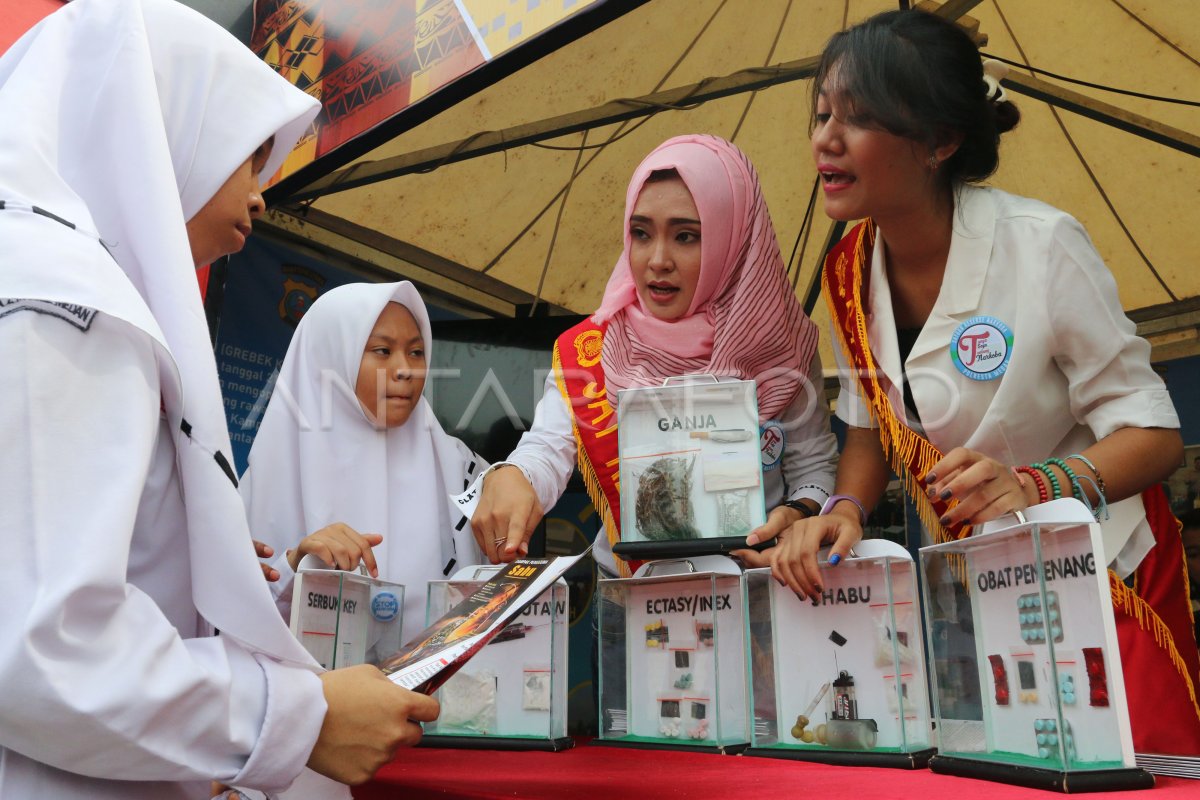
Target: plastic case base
x,y
1074,782
917,759
498,743
675,548
736,749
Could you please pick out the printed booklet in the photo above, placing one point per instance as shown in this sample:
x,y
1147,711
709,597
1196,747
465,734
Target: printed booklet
x,y
435,654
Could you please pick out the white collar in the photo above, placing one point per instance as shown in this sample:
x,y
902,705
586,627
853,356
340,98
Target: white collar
x,y
972,233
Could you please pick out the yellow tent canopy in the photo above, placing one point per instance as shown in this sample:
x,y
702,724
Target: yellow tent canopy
x,y
515,194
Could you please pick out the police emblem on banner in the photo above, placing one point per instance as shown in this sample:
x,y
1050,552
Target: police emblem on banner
x,y
981,348
300,288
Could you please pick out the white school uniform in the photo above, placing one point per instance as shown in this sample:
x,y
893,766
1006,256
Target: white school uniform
x,y
1077,370
126,543
547,454
317,459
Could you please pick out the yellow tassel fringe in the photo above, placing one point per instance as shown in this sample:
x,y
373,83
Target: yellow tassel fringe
x,y
590,480
1147,618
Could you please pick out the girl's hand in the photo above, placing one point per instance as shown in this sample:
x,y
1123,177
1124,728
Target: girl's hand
x,y
793,560
263,550
340,546
507,513
984,488
779,520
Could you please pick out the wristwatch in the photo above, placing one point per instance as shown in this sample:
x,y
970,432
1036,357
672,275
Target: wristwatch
x,y
796,505
837,498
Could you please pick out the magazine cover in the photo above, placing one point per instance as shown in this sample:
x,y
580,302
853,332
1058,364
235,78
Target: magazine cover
x,y
437,652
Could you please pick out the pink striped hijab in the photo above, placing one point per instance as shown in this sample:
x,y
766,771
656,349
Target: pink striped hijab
x,y
744,321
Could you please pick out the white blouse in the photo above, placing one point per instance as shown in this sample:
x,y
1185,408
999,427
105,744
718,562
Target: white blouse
x,y
1076,369
110,674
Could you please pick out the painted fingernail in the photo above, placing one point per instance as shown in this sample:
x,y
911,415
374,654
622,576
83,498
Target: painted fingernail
x,y
946,494
834,560
945,520
930,477
819,589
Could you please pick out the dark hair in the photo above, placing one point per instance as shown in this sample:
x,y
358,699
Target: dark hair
x,y
1190,520
660,175
917,75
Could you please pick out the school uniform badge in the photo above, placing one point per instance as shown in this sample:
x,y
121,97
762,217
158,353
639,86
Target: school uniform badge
x,y
79,316
981,348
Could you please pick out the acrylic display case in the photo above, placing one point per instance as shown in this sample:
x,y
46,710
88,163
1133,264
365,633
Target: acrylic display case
x,y
841,679
511,695
672,657
690,467
346,618
1027,681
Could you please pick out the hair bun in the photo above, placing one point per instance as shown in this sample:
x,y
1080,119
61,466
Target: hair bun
x,y
1007,115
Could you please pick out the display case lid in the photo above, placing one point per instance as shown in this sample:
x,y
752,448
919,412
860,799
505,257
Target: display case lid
x,y
313,563
707,387
1056,515
695,565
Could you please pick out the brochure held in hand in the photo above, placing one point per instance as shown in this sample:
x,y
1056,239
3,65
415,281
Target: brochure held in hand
x,y
436,653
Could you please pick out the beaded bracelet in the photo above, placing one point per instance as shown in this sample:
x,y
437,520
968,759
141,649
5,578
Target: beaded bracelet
x,y
1038,481
1101,488
1051,477
1076,490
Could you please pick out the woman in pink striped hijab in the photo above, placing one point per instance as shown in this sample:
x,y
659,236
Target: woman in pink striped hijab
x,y
699,288
744,320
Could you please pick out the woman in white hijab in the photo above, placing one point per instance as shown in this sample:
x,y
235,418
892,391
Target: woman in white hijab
x,y
133,137
350,462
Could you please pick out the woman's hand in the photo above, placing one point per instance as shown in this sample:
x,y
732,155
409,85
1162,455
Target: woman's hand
x,y
984,488
793,560
340,546
507,513
780,519
263,550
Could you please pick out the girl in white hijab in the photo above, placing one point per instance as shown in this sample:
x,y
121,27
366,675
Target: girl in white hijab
x,y
350,462
134,134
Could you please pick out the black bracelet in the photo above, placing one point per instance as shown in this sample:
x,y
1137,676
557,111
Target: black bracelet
x,y
796,505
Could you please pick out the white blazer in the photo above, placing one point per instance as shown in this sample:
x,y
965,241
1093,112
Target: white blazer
x,y
1075,372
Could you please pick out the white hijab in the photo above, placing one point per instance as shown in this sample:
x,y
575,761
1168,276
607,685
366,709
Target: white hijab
x,y
124,117
317,458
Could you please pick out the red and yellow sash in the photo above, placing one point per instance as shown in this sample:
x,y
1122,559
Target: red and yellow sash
x,y
845,280
580,378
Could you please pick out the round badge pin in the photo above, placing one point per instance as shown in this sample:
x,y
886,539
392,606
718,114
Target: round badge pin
x,y
771,442
385,606
981,348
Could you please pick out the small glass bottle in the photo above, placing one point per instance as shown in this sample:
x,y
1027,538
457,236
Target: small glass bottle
x,y
844,704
